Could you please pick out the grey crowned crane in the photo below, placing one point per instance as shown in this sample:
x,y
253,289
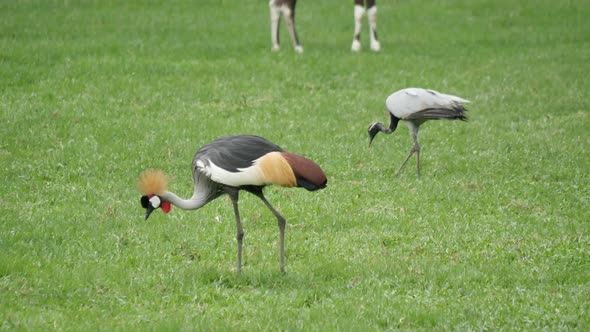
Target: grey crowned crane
x,y
415,106
228,165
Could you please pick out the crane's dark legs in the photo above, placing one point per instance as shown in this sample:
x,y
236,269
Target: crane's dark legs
x,y
282,223
233,195
415,149
418,159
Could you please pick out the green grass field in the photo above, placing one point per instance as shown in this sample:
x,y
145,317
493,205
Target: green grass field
x,y
495,235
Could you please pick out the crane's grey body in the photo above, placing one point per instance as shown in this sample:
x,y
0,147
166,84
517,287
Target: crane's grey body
x,y
415,106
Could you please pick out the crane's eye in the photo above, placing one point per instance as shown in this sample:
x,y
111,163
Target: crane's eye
x,y
155,202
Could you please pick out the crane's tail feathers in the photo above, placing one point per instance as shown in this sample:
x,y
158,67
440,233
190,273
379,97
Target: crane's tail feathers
x,y
460,100
308,174
301,182
290,170
153,181
455,112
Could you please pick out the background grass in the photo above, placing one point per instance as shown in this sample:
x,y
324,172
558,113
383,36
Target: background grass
x,y
495,234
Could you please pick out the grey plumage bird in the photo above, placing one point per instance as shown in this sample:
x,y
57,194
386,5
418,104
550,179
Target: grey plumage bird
x,y
415,106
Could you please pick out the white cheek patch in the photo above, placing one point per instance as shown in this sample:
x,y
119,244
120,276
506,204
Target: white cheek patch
x,y
155,201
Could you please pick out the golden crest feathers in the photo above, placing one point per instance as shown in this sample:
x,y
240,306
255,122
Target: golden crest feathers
x,y
153,181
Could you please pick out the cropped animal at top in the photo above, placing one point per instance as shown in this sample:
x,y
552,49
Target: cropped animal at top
x,y
359,12
286,8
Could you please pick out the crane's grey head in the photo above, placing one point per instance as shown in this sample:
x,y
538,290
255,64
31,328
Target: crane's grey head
x,y
153,202
374,128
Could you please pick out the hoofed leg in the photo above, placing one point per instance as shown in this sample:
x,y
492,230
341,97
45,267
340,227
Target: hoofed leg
x,y
289,14
372,14
359,12
282,223
233,194
275,15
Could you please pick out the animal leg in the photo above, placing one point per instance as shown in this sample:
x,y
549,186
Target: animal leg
x,y
372,15
412,150
282,222
359,12
417,148
233,194
289,14
275,15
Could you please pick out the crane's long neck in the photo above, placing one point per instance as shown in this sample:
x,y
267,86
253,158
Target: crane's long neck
x,y
392,124
377,127
193,203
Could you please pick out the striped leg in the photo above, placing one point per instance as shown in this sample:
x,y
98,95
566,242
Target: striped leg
x,y
275,15
372,14
359,12
289,13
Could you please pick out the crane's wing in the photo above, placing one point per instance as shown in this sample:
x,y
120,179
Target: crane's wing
x,y
416,103
229,160
235,152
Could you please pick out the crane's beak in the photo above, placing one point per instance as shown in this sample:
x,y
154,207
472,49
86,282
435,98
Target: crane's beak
x,y
373,130
148,210
371,139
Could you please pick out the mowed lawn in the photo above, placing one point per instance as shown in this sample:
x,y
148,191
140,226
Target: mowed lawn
x,y
494,235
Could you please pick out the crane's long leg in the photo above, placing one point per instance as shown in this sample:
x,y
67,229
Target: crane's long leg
x,y
233,195
415,149
412,150
282,223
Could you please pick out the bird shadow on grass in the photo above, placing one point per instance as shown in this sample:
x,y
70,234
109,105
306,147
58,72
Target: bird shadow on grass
x,y
264,279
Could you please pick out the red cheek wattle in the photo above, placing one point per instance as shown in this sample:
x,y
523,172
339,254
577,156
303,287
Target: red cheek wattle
x,y
166,207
